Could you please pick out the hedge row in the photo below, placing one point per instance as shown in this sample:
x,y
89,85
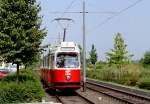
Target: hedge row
x,y
29,88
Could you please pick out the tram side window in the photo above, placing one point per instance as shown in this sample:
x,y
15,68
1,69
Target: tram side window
x,y
52,62
46,62
41,63
49,61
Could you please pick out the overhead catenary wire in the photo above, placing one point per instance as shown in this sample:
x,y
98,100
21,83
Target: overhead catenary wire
x,y
68,7
115,15
65,11
61,17
105,12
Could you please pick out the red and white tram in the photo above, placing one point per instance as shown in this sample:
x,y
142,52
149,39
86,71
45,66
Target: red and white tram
x,y
60,67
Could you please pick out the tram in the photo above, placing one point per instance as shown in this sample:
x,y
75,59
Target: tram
x,y
60,66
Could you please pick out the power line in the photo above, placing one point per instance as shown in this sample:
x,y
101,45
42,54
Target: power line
x,y
115,15
68,7
105,12
62,15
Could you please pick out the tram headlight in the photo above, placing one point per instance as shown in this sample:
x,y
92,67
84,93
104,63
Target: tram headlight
x,y
68,77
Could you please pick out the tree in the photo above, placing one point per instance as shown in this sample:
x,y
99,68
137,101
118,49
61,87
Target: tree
x,y
20,31
146,59
118,55
93,55
34,63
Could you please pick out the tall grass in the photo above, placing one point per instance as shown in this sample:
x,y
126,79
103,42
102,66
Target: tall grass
x,y
131,74
144,81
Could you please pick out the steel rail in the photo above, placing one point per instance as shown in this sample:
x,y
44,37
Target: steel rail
x,y
91,102
82,97
59,99
120,90
77,95
138,93
113,96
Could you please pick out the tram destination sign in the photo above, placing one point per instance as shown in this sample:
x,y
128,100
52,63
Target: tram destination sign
x,y
67,48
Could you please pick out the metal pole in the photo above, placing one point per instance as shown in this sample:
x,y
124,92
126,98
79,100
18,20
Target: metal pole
x,y
84,49
64,37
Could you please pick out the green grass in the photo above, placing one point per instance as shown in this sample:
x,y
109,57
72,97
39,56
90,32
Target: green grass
x,y
131,75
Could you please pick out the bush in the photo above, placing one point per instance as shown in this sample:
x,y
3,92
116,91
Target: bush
x,y
29,88
144,83
98,66
146,59
128,75
133,74
145,72
105,73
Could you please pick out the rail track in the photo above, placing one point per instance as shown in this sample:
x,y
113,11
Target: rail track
x,y
127,95
72,98
68,97
100,93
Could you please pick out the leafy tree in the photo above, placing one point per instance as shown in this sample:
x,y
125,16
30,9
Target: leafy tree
x,y
146,59
20,31
93,55
34,63
118,55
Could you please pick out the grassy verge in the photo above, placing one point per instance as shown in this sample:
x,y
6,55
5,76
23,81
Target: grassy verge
x,y
131,75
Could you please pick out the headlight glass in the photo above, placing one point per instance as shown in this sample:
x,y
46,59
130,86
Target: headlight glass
x,y
68,77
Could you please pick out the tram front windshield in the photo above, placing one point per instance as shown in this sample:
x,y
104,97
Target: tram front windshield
x,y
67,60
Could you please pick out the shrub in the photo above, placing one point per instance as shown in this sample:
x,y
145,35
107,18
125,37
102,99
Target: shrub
x,y
146,59
98,66
145,72
133,74
101,74
144,83
25,75
29,88
107,74
128,75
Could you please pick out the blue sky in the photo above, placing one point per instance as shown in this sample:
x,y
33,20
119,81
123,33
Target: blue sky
x,y
133,24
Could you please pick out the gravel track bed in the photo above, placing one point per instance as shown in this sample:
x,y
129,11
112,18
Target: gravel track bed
x,y
51,96
122,95
99,98
139,92
71,98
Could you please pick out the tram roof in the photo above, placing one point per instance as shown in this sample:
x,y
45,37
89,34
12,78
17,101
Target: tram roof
x,y
64,47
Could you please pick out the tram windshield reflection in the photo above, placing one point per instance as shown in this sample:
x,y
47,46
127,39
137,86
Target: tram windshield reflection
x,y
67,60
